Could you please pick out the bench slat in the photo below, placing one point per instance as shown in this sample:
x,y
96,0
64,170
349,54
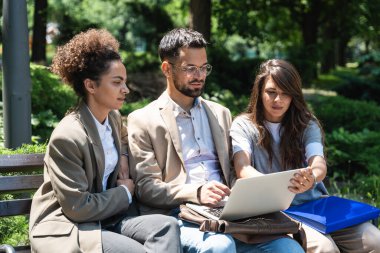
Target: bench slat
x,y
24,162
17,183
15,207
22,249
20,183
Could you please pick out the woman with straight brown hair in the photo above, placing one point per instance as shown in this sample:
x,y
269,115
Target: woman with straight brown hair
x,y
278,132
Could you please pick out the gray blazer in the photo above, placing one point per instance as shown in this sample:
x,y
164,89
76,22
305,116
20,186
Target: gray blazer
x,y
156,160
68,208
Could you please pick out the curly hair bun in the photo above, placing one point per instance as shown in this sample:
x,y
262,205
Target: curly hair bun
x,y
86,55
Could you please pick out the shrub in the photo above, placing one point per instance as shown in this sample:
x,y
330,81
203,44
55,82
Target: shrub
x,y
140,61
359,88
229,100
336,111
361,83
50,101
49,93
130,107
362,188
369,186
14,230
327,82
353,153
24,149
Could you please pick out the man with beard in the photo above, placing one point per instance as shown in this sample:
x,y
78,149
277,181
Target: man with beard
x,y
180,149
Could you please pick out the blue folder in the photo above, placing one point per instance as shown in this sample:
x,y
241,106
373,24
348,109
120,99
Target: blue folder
x,y
332,213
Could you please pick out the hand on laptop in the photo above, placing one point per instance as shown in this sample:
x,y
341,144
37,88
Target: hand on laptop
x,y
212,193
302,181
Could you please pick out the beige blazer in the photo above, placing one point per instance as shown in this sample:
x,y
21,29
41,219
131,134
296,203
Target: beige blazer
x,y
67,210
156,160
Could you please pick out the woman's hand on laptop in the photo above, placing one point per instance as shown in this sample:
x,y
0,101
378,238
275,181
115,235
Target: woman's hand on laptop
x,y
302,181
212,193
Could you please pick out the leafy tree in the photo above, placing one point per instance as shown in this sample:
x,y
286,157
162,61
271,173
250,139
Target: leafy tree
x,y
138,25
369,24
341,21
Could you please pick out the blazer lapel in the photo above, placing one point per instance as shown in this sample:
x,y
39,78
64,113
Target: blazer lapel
x,y
166,109
92,132
218,135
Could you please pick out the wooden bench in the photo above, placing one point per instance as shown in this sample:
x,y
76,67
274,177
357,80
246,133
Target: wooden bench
x,y
19,182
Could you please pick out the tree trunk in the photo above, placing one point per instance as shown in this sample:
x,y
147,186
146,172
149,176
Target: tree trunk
x,y
342,49
39,31
330,55
309,26
200,17
329,49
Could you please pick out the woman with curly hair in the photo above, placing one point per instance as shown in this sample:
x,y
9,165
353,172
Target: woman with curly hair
x,y
82,204
278,132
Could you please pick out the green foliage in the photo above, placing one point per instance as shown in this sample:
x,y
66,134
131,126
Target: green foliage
x,y
48,92
14,230
137,24
179,12
327,82
43,124
366,60
237,76
144,24
370,185
360,88
352,141
361,83
130,107
140,61
24,149
253,19
229,100
353,153
50,101
336,111
364,188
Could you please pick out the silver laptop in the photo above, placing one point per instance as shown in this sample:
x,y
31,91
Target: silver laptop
x,y
253,196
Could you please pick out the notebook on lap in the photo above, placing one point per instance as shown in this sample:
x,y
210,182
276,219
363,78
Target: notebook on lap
x,y
253,196
333,213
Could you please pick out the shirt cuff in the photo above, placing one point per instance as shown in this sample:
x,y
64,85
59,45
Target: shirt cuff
x,y
129,194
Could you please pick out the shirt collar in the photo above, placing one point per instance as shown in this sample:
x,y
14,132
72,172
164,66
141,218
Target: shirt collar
x,y
177,110
101,127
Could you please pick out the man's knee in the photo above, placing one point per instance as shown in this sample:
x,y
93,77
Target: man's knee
x,y
222,243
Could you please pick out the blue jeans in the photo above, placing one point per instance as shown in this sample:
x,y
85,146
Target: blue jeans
x,y
194,241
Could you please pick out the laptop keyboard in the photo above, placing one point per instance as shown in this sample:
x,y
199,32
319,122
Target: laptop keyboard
x,y
216,211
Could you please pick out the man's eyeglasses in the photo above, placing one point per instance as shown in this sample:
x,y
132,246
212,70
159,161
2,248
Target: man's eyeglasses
x,y
192,70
